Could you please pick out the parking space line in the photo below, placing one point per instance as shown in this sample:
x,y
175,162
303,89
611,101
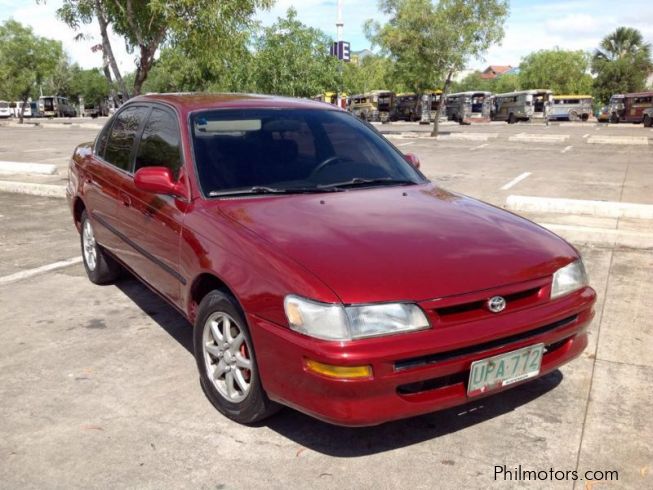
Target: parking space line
x,y
405,144
478,147
19,276
34,150
515,181
566,149
585,136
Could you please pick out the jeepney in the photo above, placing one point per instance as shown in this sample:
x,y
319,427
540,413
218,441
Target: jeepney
x,y
56,106
635,105
373,106
468,107
524,105
407,108
430,104
571,108
616,108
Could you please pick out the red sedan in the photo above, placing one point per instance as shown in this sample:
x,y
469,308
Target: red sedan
x,y
320,269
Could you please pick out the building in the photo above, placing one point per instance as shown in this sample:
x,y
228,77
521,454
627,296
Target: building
x,y
493,71
358,56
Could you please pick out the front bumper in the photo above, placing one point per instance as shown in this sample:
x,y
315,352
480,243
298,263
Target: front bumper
x,y
415,373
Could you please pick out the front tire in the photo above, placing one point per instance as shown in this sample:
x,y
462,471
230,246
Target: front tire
x,y
226,361
100,268
648,122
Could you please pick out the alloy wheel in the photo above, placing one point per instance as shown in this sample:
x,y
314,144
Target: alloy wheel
x,y
227,357
88,246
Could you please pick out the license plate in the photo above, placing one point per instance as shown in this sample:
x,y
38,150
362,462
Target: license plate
x,y
505,369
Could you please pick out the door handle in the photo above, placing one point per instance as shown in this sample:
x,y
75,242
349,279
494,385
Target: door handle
x,y
126,200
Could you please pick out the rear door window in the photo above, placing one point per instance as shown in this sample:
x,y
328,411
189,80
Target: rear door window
x,y
122,136
160,143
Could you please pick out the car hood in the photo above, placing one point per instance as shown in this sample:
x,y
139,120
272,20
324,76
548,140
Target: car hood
x,y
402,243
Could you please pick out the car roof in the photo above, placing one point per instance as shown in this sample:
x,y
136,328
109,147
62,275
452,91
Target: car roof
x,y
189,102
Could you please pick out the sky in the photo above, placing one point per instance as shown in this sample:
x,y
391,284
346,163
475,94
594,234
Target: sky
x,y
532,25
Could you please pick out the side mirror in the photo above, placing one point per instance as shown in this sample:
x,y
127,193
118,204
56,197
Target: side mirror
x,y
158,180
412,159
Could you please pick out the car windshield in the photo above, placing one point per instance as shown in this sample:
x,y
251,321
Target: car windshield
x,y
256,151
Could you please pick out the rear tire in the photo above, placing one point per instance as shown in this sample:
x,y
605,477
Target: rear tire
x,y
226,361
511,119
100,267
614,119
648,122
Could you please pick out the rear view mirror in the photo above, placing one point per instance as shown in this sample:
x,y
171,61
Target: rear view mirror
x,y
412,159
158,180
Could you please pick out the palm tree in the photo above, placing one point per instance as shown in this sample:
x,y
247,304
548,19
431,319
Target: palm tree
x,y
622,43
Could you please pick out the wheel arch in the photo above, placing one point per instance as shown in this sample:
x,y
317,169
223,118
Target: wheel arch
x,y
202,285
78,208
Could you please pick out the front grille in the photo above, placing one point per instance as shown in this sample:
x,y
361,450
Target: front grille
x,y
474,310
472,349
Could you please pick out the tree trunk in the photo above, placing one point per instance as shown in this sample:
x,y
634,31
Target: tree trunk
x,y
436,123
106,48
22,108
144,65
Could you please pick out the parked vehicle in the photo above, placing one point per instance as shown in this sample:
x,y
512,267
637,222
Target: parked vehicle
x,y
603,114
320,269
56,106
468,107
430,105
34,108
5,110
332,98
374,106
97,110
648,118
616,108
571,108
407,107
18,107
634,106
525,105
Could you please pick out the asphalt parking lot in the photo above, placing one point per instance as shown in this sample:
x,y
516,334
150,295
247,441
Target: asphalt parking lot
x,y
98,385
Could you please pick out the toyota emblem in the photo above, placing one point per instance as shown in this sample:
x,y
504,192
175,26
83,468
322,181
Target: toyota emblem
x,y
496,304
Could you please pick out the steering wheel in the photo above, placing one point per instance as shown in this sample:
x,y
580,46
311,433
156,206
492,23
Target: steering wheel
x,y
325,163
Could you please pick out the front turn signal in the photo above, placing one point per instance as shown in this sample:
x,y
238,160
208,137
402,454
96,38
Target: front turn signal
x,y
338,372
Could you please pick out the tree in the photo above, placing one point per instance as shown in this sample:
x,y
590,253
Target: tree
x,y
201,29
473,81
371,73
91,85
430,43
564,72
621,63
25,60
293,59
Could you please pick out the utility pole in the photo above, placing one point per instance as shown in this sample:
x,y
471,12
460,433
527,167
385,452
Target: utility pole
x,y
340,24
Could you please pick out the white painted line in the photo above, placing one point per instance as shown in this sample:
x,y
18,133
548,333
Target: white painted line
x,y
603,236
468,136
618,140
606,209
45,190
19,276
9,168
539,138
39,149
566,149
405,144
515,181
586,135
478,147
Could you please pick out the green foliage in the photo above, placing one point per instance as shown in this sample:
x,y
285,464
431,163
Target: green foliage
x,y
430,42
473,81
202,30
621,63
25,60
564,72
509,82
293,59
89,84
371,73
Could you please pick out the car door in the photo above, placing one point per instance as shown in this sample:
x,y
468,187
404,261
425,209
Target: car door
x,y
104,172
153,222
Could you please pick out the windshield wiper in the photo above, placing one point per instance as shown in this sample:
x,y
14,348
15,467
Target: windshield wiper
x,y
359,181
259,189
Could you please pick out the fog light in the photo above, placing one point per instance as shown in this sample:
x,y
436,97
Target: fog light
x,y
340,372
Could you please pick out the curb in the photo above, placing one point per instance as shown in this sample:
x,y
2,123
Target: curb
x,y
539,138
9,168
605,209
602,236
44,190
468,136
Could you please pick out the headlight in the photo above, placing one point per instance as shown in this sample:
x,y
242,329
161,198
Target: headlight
x,y
338,322
568,279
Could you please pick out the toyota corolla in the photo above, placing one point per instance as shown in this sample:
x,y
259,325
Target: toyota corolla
x,y
319,267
